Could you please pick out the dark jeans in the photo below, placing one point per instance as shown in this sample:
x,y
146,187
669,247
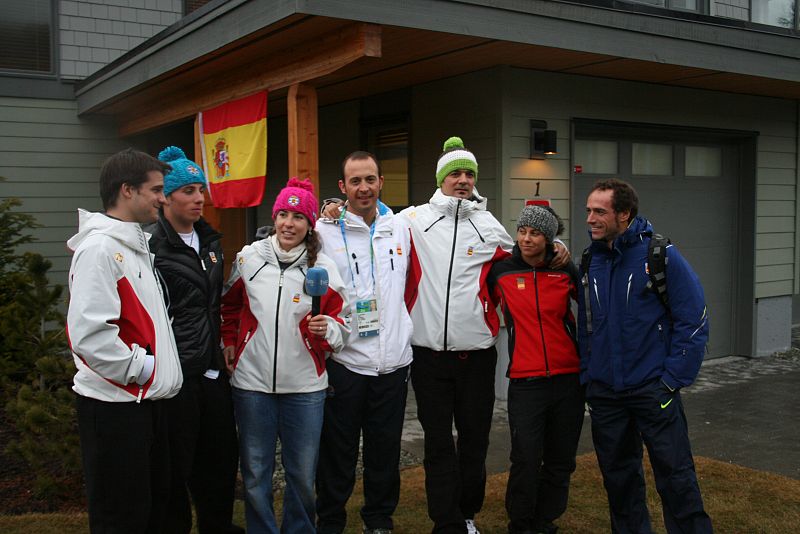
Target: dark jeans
x,y
205,456
295,419
545,416
454,387
376,405
620,422
125,450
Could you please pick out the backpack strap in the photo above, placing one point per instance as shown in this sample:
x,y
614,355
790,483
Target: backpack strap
x,y
586,260
657,268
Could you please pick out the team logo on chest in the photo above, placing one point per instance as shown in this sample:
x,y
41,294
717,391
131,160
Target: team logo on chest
x,y
296,298
212,257
520,283
470,251
118,257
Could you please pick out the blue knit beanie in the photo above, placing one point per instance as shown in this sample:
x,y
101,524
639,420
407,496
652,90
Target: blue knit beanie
x,y
184,171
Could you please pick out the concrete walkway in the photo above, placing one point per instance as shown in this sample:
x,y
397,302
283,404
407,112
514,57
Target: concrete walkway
x,y
740,410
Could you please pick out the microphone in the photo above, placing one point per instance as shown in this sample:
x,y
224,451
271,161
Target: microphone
x,y
316,286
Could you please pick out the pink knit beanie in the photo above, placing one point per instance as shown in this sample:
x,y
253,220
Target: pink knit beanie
x,y
298,195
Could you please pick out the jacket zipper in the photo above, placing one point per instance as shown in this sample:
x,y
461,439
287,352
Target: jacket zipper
x,y
450,271
207,282
476,231
277,316
541,327
434,222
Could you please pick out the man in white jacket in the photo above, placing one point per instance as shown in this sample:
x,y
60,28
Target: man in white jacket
x,y
454,242
123,348
368,379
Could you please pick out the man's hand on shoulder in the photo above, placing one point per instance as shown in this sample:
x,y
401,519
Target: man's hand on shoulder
x,y
331,208
562,256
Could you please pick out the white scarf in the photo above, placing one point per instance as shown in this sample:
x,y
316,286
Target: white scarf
x,y
284,256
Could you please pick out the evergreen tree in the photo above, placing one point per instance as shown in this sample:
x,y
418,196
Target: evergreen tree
x,y
35,362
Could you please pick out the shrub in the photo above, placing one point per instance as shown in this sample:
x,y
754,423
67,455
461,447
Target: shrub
x,y
35,362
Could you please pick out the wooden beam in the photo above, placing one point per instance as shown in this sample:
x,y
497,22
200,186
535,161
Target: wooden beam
x,y
297,64
301,107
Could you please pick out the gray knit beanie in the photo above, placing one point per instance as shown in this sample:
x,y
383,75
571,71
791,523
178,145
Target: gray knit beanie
x,y
539,218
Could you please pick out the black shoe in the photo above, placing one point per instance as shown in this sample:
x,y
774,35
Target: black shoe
x,y
547,528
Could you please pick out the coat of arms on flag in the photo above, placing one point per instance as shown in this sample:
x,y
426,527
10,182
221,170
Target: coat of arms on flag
x,y
233,137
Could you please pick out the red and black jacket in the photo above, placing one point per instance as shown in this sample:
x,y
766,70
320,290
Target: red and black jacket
x,y
536,306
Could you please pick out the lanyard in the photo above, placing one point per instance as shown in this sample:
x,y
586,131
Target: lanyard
x,y
353,256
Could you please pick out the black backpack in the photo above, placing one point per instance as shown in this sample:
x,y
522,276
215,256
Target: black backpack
x,y
656,270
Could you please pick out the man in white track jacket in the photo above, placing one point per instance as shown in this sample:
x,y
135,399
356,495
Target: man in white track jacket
x,y
123,348
368,379
454,242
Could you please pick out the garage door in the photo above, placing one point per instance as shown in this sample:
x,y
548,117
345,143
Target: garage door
x,y
689,192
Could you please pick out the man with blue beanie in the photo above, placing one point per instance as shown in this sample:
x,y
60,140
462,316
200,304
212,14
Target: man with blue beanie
x,y
188,255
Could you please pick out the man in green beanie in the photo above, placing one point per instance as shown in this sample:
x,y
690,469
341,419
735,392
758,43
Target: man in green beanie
x,y
454,242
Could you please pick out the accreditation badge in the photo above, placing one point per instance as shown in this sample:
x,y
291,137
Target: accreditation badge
x,y
367,318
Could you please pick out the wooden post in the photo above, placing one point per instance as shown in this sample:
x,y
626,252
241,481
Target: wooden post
x,y
301,106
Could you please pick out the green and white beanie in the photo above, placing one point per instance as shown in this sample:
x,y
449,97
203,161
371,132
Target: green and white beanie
x,y
455,157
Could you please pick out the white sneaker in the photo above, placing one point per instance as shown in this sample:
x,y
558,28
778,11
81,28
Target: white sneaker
x,y
471,528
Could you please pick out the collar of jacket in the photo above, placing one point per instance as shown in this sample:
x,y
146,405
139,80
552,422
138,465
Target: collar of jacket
x,y
448,205
263,248
129,233
549,254
205,232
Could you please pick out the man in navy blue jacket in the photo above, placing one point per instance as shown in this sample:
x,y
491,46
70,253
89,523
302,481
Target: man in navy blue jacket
x,y
636,355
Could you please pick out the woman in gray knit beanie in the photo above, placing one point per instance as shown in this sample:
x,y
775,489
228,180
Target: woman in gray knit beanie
x,y
534,221
545,398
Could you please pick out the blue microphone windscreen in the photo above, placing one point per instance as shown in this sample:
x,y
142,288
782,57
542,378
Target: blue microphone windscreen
x,y
316,281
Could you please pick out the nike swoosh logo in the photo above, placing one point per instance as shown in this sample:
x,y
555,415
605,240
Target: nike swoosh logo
x,y
664,405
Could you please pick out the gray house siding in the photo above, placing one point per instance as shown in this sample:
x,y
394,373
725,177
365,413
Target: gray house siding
x,y
466,106
51,160
91,34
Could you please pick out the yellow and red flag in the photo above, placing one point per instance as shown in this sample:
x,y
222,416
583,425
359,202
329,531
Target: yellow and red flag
x,y
234,141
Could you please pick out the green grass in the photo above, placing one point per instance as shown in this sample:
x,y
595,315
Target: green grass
x,y
739,500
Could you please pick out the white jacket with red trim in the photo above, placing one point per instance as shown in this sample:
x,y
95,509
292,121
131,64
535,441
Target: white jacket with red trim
x,y
264,311
453,245
117,314
377,273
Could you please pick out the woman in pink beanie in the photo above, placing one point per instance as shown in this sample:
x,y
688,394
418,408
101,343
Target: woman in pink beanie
x,y
276,353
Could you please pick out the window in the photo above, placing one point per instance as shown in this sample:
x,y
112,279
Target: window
x,y
771,12
781,13
596,157
774,12
703,161
26,35
389,143
651,159
685,5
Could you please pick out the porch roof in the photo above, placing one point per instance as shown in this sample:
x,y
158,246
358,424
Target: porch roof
x,y
349,49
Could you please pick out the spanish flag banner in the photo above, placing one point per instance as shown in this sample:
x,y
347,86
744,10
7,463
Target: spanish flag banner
x,y
234,142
